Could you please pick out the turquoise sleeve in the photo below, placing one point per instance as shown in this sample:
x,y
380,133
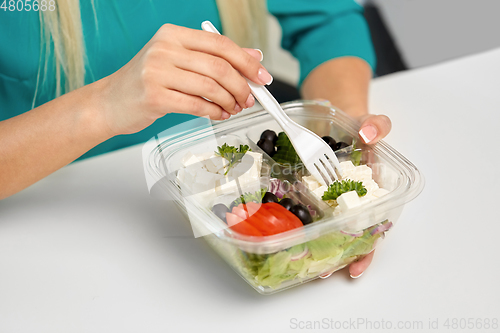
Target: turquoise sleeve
x,y
321,30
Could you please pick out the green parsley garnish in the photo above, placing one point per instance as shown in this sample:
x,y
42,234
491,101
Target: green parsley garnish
x,y
232,154
337,188
250,197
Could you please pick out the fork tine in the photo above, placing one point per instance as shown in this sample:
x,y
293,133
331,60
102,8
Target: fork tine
x,y
330,166
334,162
320,166
314,172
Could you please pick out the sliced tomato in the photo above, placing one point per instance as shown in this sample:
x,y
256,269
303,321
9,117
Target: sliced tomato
x,y
241,212
252,207
267,219
263,223
266,222
232,219
272,218
290,220
246,228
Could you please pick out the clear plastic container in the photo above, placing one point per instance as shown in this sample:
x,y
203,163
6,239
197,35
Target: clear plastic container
x,y
277,262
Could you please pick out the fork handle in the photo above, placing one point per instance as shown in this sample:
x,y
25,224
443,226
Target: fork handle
x,y
260,92
268,102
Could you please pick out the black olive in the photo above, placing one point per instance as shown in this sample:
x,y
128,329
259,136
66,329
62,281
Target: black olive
x,y
269,136
331,141
302,213
220,210
287,203
341,145
232,205
266,146
269,197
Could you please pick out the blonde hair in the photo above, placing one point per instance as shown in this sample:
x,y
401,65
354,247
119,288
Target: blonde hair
x,y
244,21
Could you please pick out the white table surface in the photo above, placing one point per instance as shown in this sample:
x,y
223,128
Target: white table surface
x,y
88,250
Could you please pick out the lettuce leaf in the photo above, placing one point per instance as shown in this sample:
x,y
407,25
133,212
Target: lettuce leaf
x,y
285,153
329,245
328,252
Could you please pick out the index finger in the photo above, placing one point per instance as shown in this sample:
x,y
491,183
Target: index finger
x,y
223,47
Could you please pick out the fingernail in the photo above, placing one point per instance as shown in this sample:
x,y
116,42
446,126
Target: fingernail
x,y
250,101
225,115
355,277
368,133
261,54
237,108
265,77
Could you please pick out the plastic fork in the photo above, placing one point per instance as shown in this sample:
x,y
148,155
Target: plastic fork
x,y
315,153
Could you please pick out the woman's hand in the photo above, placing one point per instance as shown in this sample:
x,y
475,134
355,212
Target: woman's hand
x,y
373,128
174,73
170,74
344,82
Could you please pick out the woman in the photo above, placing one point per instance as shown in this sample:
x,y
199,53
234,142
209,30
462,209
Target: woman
x,y
93,82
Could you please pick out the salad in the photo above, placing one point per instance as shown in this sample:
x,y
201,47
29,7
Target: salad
x,y
283,204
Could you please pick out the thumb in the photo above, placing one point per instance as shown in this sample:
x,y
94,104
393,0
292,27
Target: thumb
x,y
374,128
357,268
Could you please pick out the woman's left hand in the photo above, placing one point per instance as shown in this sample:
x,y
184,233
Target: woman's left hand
x,y
373,128
344,82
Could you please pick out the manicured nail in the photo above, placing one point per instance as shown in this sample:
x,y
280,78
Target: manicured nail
x,y
225,115
261,54
368,133
237,108
250,101
265,77
355,277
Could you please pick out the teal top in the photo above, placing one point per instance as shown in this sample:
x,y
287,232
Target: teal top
x,y
313,31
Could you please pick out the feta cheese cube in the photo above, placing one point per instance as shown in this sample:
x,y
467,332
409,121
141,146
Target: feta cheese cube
x,y
320,191
248,169
380,192
347,165
311,182
203,181
347,169
209,163
348,200
242,171
370,185
366,198
189,174
257,158
219,164
205,156
337,211
362,173
189,159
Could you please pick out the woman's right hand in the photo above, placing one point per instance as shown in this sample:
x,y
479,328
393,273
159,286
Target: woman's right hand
x,y
173,72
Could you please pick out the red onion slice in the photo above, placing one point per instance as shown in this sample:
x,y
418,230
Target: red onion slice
x,y
300,255
355,234
278,188
311,211
381,228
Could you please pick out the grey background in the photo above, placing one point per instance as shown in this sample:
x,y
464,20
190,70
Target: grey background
x,y
426,32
